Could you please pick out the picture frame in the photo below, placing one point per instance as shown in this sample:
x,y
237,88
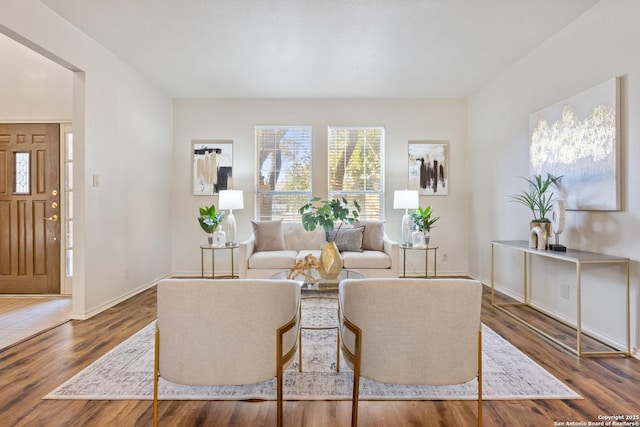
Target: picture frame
x,y
578,139
212,162
428,163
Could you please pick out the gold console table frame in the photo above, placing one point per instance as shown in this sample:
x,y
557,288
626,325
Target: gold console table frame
x,y
579,258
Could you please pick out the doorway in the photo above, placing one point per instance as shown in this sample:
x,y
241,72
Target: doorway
x,y
30,208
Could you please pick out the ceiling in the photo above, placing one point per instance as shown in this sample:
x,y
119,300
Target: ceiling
x,y
320,48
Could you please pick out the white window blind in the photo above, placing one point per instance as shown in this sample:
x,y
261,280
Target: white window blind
x,y
356,167
283,157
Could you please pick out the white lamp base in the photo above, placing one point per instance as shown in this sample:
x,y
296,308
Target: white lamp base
x,y
407,229
231,228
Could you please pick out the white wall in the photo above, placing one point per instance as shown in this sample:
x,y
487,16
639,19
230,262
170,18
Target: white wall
x,y
122,133
32,87
403,120
597,46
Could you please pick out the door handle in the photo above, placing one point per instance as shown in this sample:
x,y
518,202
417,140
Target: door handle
x,y
53,218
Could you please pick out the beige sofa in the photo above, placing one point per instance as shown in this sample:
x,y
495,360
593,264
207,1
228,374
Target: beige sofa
x,y
275,246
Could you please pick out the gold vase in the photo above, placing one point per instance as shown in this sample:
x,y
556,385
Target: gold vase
x,y
330,261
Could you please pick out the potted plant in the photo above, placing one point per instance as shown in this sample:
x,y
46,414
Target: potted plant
x,y
423,221
209,220
539,199
326,213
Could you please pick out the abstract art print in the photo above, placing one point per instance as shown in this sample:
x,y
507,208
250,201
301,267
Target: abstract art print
x,y
429,168
578,139
212,166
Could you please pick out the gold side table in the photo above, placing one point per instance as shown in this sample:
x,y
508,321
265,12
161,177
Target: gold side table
x,y
213,250
426,250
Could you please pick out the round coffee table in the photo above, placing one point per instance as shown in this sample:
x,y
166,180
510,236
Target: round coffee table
x,y
320,284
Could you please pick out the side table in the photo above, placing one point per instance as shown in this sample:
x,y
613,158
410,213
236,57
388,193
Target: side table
x,y
426,250
213,250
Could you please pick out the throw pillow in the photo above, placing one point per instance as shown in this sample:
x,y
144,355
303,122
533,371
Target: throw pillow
x,y
269,235
373,237
347,239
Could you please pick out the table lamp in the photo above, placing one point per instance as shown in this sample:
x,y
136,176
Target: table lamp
x,y
231,199
406,199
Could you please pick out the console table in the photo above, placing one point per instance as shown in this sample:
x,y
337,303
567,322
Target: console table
x,y
578,258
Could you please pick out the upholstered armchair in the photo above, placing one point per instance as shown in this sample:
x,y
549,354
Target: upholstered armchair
x,y
411,331
217,332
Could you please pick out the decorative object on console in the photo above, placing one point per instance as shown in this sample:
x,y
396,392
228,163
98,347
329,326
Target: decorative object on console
x,y
209,220
423,222
538,238
539,199
231,199
557,225
406,199
326,213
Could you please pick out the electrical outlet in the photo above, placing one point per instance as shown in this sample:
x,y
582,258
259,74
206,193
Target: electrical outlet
x,y
445,257
564,291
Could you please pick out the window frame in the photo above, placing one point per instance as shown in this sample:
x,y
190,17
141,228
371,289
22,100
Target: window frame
x,y
363,192
305,195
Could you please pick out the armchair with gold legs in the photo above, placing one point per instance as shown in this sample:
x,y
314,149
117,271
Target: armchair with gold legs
x,y
411,331
219,332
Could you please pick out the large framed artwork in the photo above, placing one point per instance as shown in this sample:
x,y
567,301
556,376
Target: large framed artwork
x,y
429,167
579,140
212,166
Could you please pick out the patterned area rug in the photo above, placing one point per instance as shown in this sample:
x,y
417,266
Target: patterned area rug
x,y
126,372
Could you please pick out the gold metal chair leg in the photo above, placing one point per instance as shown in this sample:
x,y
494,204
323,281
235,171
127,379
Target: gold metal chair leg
x,y
156,374
480,378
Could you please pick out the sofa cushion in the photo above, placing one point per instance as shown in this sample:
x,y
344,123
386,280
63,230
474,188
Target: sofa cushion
x,y
366,259
347,239
296,238
269,235
273,259
373,237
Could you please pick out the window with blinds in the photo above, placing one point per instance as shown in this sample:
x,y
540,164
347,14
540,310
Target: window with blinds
x,y
283,155
356,167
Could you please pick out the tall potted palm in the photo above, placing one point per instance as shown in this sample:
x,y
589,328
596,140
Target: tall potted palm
x,y
326,213
538,199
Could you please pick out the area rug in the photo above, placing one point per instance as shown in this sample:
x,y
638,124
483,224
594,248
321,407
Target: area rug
x,y
126,372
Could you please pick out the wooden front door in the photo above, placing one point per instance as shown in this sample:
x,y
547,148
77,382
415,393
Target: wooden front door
x,y
29,208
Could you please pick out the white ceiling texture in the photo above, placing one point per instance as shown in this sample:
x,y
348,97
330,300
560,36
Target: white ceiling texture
x,y
320,48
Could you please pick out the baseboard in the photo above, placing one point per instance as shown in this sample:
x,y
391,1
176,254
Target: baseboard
x,y
116,301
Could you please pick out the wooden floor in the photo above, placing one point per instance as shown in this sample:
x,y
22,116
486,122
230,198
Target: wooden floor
x,y
610,386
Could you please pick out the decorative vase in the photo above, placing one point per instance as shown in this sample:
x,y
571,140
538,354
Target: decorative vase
x,y
330,261
210,238
545,225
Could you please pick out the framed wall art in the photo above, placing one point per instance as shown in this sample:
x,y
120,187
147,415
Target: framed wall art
x,y
579,139
429,167
212,166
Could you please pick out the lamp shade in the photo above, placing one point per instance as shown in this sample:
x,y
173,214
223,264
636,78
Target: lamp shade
x,y
230,199
405,199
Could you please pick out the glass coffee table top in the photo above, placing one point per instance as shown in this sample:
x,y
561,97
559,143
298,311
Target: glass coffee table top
x,y
320,284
